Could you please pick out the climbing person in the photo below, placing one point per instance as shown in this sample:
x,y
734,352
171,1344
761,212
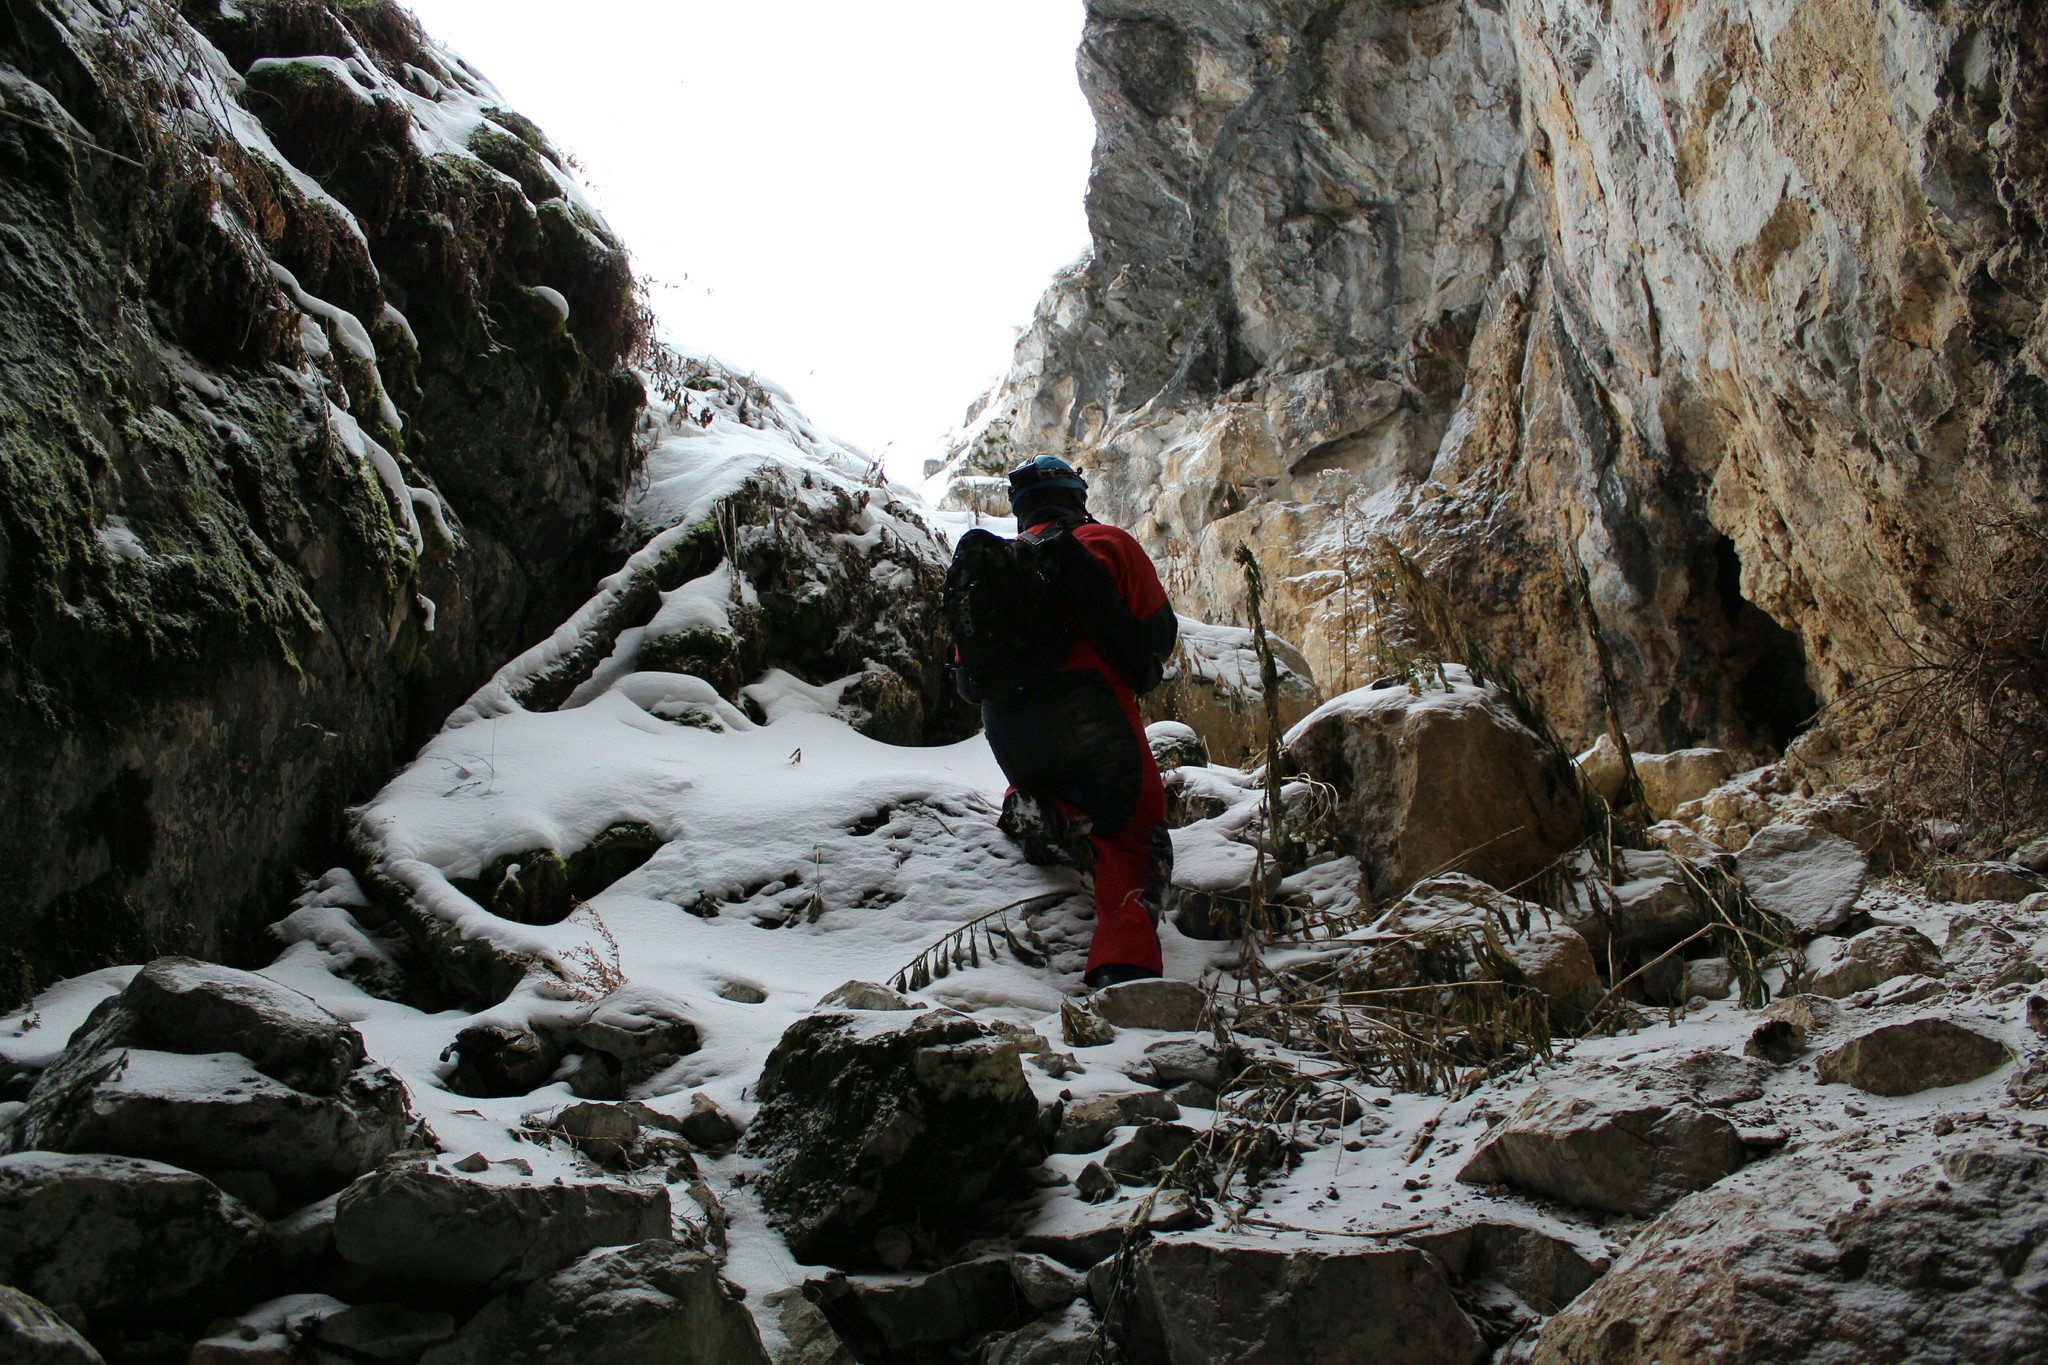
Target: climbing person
x,y
1056,633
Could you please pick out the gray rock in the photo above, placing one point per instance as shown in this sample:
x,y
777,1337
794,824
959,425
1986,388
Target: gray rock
x,y
1777,1041
808,1337
1709,978
495,1061
1814,1014
1806,1269
1708,1076
1648,906
1558,963
1081,1235
1513,809
30,1334
1085,1125
887,1317
384,1332
1805,873
179,1004
413,1225
117,1235
1904,1059
872,1119
1616,1153
1144,1157
2033,857
1874,957
217,1114
1176,1061
2009,882
1987,955
1095,1184
652,1303
603,1132
1545,1271
1067,1339
707,1125
865,995
641,1029
1193,1302
1046,1285
1155,1003
1082,1027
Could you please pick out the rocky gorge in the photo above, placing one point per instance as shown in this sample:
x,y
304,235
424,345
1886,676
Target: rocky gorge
x,y
1603,390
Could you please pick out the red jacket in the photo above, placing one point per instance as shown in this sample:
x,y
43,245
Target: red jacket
x,y
1137,586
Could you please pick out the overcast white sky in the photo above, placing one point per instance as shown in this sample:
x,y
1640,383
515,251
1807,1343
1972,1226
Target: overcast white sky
x,y
861,202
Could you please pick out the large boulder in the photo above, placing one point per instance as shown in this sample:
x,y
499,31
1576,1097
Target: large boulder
x,y
223,1072
1670,780
1441,778
877,1119
30,1334
120,1238
1599,1147
415,1226
1904,1059
1198,1302
652,1303
1803,872
1792,1264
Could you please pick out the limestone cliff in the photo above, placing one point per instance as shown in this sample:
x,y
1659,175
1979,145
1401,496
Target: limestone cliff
x,y
313,413
1738,302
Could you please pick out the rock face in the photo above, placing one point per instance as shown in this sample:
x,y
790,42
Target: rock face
x,y
296,445
883,1119
1739,302
1194,1303
1793,1267
1447,778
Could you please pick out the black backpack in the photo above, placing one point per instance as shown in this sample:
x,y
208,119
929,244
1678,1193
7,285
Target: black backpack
x,y
1008,604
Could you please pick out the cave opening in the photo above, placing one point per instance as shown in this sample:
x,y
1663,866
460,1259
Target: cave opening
x,y
1766,662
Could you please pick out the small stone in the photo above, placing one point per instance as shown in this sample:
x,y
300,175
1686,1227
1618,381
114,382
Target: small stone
x,y
1082,1027
742,993
1155,1003
865,995
1174,1061
1777,1041
707,1125
1709,978
1085,1125
603,1132
2033,857
1095,1184
2037,1014
476,1163
1143,1158
1903,1059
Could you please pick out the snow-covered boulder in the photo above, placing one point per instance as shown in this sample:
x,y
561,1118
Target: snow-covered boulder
x,y
118,1236
1441,778
1803,872
1199,1302
884,1119
652,1301
1807,1268
226,1073
1214,686
419,1227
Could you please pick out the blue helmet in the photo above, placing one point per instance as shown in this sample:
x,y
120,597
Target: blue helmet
x,y
1045,471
